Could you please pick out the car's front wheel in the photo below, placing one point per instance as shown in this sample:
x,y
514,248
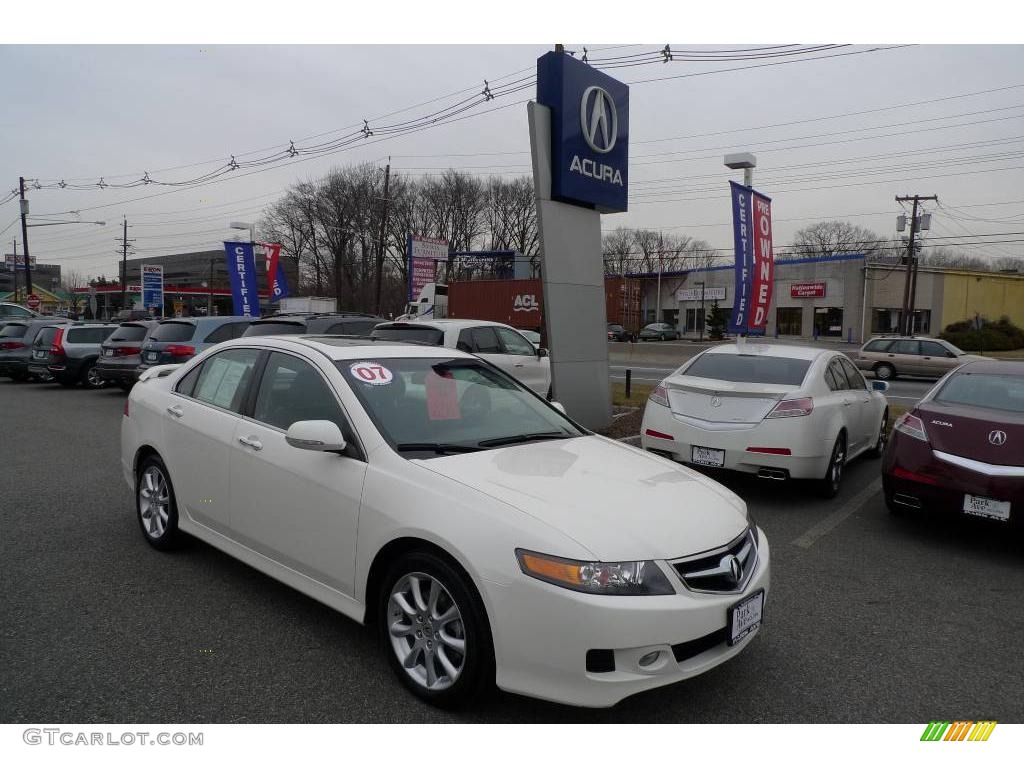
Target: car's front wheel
x,y
155,504
829,484
435,631
879,447
885,372
91,378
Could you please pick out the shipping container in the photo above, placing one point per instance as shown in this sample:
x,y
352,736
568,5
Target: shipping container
x,y
519,303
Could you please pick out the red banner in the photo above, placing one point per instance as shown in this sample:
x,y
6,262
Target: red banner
x,y
763,277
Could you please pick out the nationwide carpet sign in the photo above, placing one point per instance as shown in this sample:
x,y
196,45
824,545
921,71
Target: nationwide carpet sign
x,y
242,273
755,264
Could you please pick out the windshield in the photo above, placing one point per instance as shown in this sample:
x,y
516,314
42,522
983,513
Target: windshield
x,y
434,406
984,390
129,333
274,329
754,369
420,333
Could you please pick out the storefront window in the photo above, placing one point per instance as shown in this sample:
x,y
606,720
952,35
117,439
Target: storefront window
x,y
828,321
891,321
789,320
694,320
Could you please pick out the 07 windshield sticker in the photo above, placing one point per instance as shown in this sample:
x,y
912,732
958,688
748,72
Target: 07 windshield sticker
x,y
374,374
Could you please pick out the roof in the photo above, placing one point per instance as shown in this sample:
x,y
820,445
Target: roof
x,y
341,348
443,325
1003,367
770,350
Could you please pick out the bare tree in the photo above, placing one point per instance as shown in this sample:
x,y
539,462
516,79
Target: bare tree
x,y
834,237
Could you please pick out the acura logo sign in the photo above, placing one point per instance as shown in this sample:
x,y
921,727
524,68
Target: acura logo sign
x,y
732,565
715,401
997,437
599,120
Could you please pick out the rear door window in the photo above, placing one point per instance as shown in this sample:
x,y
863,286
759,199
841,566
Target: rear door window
x,y
878,345
514,343
485,341
853,376
225,378
173,332
835,380
905,347
89,335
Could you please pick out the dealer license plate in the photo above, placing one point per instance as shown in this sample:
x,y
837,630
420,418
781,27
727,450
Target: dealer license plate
x,y
709,457
152,356
39,354
108,353
990,508
745,617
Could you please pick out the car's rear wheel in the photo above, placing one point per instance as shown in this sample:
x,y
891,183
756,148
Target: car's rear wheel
x,y
155,504
879,448
66,381
885,372
18,377
434,630
91,378
829,485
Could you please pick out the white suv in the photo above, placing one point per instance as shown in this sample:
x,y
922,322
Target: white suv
x,y
497,343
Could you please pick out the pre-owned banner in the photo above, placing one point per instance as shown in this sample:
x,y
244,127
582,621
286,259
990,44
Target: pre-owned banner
x,y
755,264
275,272
242,273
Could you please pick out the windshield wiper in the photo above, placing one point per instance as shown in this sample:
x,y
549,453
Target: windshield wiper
x,y
512,439
438,448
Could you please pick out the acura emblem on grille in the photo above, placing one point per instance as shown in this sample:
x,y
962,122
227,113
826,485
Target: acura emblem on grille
x,y
715,401
997,437
735,568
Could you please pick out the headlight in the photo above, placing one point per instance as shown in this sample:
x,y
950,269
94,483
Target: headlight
x,y
638,577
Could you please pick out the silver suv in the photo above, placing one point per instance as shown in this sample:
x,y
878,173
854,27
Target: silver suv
x,y
69,353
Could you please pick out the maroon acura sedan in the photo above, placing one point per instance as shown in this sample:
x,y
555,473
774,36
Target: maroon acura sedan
x,y
960,450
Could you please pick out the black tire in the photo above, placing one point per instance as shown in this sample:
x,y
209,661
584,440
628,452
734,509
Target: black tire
x,y
90,378
170,537
64,381
829,485
476,673
125,384
18,377
879,449
885,372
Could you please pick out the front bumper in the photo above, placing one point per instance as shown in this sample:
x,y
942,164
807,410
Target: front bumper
x,y
804,462
542,634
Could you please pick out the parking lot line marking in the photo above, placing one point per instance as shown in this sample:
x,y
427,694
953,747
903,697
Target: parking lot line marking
x,y
825,526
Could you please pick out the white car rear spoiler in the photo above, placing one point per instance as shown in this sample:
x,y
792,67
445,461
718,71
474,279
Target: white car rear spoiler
x,y
158,371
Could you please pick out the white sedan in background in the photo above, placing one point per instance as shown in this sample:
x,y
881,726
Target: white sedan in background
x,y
488,537
773,410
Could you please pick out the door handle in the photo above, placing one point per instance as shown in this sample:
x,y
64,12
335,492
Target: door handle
x,y
252,442
175,411
519,365
847,403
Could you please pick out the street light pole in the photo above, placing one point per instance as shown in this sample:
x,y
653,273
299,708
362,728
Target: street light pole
x,y
701,318
24,237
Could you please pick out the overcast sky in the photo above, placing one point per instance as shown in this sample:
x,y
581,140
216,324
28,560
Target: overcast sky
x,y
85,112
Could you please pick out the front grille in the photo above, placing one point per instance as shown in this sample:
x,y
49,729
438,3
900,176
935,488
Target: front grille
x,y
726,569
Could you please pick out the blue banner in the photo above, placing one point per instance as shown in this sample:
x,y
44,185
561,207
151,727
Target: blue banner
x,y
742,232
152,286
242,273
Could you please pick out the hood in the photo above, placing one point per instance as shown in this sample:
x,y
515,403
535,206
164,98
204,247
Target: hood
x,y
617,502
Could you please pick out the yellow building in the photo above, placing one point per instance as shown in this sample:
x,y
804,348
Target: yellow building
x,y
986,294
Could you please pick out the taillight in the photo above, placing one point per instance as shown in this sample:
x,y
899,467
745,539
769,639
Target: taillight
x,y
180,350
125,411
121,351
659,395
911,426
802,406
11,345
659,435
57,347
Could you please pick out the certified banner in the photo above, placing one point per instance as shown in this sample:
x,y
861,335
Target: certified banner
x,y
152,286
755,264
275,272
242,273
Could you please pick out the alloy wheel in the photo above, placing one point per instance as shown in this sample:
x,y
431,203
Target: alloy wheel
x,y
93,379
427,632
836,472
154,502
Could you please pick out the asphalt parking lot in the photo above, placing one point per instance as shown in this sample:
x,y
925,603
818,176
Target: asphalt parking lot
x,y
871,618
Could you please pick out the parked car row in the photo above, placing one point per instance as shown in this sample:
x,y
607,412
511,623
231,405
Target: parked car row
x,y
785,412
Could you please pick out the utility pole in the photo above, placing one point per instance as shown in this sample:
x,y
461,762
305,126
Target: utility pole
x,y
124,264
14,267
907,326
209,298
383,235
24,237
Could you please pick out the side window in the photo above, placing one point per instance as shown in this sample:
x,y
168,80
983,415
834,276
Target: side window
x,y
514,343
485,341
465,341
934,349
905,347
188,383
878,345
293,390
225,378
833,378
226,332
853,375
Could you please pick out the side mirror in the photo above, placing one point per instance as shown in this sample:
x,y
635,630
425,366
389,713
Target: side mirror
x,y
542,352
879,386
318,435
558,406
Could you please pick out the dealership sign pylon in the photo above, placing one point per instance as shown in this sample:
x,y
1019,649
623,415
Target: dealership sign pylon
x,y
755,263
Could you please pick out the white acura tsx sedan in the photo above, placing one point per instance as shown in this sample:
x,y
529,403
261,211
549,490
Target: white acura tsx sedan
x,y
775,410
487,536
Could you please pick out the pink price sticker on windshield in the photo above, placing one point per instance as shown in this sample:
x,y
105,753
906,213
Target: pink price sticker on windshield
x,y
371,373
442,397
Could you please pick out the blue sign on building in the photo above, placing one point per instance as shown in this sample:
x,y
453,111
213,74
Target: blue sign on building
x,y
152,286
589,132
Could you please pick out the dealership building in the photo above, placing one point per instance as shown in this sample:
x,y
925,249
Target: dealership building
x,y
843,297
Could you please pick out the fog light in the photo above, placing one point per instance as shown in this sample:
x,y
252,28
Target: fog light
x,y
649,658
